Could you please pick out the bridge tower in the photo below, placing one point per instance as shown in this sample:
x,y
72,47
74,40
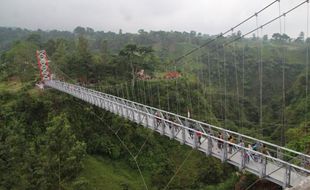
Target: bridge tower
x,y
43,65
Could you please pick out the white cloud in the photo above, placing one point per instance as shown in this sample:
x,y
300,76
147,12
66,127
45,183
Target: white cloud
x,y
206,16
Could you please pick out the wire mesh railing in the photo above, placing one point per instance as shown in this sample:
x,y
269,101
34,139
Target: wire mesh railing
x,y
282,165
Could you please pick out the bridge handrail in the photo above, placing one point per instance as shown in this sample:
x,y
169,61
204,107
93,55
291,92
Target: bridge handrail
x,y
188,119
187,128
194,121
206,124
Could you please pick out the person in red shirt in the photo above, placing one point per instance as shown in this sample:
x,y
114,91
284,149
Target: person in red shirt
x,y
199,134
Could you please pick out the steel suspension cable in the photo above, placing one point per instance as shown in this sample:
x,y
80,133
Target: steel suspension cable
x,y
224,33
137,91
198,82
123,94
177,95
261,27
203,85
210,82
167,89
127,91
280,23
243,84
189,102
307,66
150,94
225,88
158,94
121,141
190,98
179,168
132,86
237,83
267,23
260,73
261,81
140,91
145,100
116,134
117,92
220,82
283,89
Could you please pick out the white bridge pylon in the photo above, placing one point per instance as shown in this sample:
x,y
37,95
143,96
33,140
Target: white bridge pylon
x,y
282,166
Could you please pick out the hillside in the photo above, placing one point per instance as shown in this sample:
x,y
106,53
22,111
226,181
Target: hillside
x,y
52,141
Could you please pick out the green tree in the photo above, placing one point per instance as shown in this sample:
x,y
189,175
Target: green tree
x,y
276,37
300,38
90,31
21,61
285,38
50,47
136,56
239,33
79,30
104,51
60,57
80,62
265,37
12,144
63,153
35,38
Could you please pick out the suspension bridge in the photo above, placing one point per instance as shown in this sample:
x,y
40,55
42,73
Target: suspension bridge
x,y
278,164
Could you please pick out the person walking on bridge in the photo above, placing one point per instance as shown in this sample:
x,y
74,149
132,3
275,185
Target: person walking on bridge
x,y
199,134
219,142
231,140
264,151
157,118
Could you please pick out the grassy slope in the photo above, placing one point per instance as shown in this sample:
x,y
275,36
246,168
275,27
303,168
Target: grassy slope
x,y
110,174
12,86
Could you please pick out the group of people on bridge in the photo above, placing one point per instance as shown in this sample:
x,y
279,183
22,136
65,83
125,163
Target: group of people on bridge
x,y
248,154
197,135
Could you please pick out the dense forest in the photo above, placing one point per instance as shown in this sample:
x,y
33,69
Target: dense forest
x,y
49,140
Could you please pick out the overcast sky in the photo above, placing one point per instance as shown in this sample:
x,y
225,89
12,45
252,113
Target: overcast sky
x,y
205,16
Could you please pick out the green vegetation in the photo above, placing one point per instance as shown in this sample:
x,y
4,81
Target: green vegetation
x,y
102,173
49,140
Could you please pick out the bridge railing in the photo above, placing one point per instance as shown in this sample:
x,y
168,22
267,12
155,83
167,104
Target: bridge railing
x,y
280,156
274,150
